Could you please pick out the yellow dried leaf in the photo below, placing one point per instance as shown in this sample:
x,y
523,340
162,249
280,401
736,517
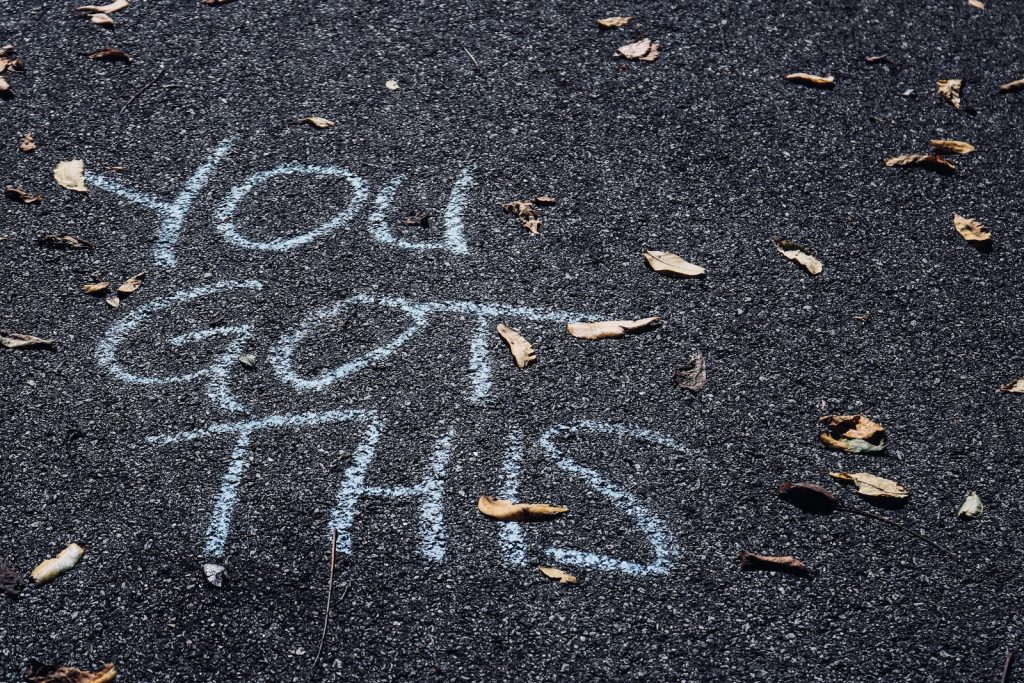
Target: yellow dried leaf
x,y
115,6
71,175
972,507
28,143
970,229
952,146
977,4
102,20
318,122
853,434
667,263
949,90
644,50
522,351
1014,387
39,672
614,22
507,511
132,284
932,162
811,79
609,328
391,84
553,573
14,340
1012,86
794,252
50,569
872,486
95,287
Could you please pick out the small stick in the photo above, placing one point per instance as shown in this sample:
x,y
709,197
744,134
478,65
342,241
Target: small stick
x,y
475,63
1008,665
330,590
146,87
872,515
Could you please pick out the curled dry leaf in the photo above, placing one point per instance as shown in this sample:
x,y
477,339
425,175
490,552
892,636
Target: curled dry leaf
x,y
972,506
872,486
115,6
71,175
693,376
778,563
95,287
931,162
970,229
667,263
527,214
876,59
952,146
11,582
1014,387
545,200
1012,86
949,90
797,254
391,84
14,340
553,573
644,50
522,351
63,242
19,195
102,20
28,144
111,54
507,511
50,569
215,574
37,672
318,122
811,79
609,328
809,497
853,434
132,284
614,22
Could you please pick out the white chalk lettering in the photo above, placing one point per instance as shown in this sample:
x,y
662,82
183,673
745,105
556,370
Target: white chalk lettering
x,y
454,239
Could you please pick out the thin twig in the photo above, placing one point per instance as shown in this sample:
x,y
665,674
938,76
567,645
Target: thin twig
x,y
1008,665
159,75
330,590
475,63
872,515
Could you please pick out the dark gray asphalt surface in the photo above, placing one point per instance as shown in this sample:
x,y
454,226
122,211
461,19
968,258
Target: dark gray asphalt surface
x,y
707,152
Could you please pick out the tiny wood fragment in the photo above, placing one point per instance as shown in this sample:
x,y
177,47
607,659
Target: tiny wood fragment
x,y
931,162
779,563
811,79
609,328
558,574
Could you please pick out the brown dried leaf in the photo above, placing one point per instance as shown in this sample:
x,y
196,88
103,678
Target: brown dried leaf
x,y
102,20
527,214
872,486
132,284
811,79
809,497
876,59
111,54
949,90
609,328
28,144
11,582
65,561
522,351
667,263
614,22
37,672
95,287
318,122
507,511
931,162
952,146
19,195
853,434
545,200
5,87
71,175
970,229
63,242
778,563
1012,86
14,340
977,4
1014,387
115,6
797,254
113,300
553,573
644,50
693,376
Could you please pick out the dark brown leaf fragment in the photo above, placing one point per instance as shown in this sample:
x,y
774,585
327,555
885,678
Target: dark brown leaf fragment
x,y
111,54
11,582
809,497
19,195
527,214
15,340
779,563
693,376
63,242
37,672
